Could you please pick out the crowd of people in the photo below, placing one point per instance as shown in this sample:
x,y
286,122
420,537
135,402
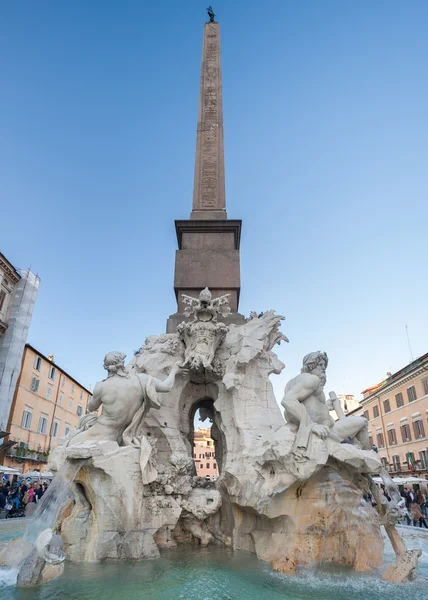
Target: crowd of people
x,y
416,506
16,492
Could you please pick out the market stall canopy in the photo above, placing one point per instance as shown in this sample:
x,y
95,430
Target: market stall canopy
x,y
403,480
7,470
38,474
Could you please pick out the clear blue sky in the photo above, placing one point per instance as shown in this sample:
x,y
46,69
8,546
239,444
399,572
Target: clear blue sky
x,y
326,142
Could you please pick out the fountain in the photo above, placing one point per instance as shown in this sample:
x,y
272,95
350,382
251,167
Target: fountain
x,y
287,515
291,493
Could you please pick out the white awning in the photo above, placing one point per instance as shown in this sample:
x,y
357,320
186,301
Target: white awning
x,y
7,470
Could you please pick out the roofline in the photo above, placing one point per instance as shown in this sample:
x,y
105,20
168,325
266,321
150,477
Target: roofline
x,y
407,369
58,367
10,265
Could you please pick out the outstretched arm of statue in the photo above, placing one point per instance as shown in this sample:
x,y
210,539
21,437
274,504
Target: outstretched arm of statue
x,y
168,384
95,401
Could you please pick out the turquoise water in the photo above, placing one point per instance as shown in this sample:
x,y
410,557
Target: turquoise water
x,y
11,528
218,574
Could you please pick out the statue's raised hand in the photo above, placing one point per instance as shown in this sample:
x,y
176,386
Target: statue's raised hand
x,y
181,368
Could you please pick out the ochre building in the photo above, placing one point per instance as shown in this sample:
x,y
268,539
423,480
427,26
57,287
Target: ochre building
x,y
47,404
204,454
397,410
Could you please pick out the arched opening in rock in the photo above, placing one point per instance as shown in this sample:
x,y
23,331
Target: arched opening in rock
x,y
81,496
206,440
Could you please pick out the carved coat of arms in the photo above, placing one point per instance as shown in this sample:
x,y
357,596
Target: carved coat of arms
x,y
203,334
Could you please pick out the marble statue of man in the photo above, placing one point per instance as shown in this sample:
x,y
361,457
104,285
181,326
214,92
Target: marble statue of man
x,y
125,399
308,412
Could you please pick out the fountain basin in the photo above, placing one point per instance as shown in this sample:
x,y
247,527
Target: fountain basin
x,y
221,574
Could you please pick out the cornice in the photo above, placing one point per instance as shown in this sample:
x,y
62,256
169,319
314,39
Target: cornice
x,y
395,384
9,269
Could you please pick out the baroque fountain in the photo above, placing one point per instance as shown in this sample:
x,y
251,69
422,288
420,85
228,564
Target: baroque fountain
x,y
287,516
290,493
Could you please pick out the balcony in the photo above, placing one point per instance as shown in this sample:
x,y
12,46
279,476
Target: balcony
x,y
21,453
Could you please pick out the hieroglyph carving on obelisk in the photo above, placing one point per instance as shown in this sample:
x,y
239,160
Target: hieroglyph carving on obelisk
x,y
209,187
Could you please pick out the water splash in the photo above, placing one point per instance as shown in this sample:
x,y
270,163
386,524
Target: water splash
x,y
8,576
58,492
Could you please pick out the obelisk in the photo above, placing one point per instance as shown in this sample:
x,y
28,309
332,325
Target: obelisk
x,y
208,242
209,197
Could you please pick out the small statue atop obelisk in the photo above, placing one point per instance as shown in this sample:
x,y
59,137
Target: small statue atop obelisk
x,y
211,14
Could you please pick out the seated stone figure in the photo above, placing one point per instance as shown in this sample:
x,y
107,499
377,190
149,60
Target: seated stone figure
x,y
125,399
307,412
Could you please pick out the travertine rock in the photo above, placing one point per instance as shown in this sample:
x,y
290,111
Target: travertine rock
x,y
289,503
14,552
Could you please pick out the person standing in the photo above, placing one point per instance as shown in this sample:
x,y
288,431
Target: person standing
x,y
421,499
31,493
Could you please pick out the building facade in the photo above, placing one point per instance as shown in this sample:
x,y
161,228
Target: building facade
x,y
348,402
47,404
397,411
204,454
18,293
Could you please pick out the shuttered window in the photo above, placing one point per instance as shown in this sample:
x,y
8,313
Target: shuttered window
x,y
392,438
399,399
418,429
405,433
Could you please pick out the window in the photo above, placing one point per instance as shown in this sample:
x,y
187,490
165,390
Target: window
x,y
48,392
2,299
201,466
386,406
62,382
55,428
81,394
70,404
52,373
43,424
208,465
396,462
35,384
379,438
208,454
26,419
424,458
375,411
67,429
208,443
194,456
73,387
384,462
370,441
399,399
214,465
60,399
366,414
418,429
411,393
425,386
79,410
392,438
405,433
37,363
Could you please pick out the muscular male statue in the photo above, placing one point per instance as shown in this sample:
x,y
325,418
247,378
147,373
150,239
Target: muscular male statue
x,y
307,411
122,396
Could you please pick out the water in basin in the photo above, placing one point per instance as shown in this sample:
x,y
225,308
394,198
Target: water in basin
x,y
219,574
